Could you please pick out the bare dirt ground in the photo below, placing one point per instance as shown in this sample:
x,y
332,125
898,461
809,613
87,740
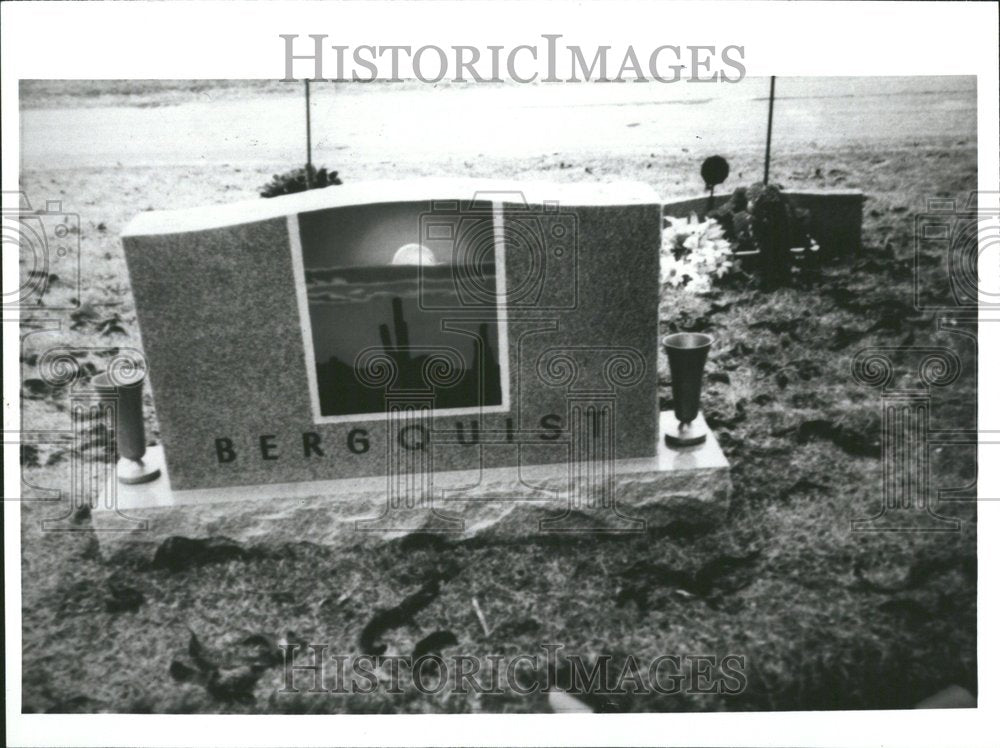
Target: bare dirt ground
x,y
826,618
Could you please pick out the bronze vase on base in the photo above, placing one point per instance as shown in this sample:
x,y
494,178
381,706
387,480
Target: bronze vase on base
x,y
130,430
686,353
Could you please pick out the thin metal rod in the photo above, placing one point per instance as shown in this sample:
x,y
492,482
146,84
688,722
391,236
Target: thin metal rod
x,y
309,148
770,117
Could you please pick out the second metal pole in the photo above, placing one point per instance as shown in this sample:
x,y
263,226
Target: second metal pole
x,y
309,150
770,117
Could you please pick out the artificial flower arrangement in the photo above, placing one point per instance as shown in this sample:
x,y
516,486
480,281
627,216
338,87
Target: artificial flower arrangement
x,y
693,253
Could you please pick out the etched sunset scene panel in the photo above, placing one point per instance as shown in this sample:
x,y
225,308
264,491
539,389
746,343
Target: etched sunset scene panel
x,y
384,290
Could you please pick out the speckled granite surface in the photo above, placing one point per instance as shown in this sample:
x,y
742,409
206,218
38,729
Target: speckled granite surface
x,y
220,327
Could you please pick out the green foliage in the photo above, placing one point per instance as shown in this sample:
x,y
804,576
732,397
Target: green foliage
x,y
296,181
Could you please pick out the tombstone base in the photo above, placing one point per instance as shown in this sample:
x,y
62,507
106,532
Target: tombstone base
x,y
133,472
687,484
677,434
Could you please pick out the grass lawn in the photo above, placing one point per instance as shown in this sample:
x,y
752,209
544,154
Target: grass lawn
x,y
826,618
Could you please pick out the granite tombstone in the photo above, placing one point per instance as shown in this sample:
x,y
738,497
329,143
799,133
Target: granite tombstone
x,y
428,345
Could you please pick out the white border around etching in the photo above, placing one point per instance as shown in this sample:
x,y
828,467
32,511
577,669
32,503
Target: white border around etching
x,y
305,324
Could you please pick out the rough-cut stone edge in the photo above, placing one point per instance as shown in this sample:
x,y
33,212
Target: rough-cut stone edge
x,y
696,492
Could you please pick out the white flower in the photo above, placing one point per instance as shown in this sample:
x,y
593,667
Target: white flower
x,y
693,253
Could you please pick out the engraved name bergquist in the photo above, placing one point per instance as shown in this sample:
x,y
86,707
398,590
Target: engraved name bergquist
x,y
312,445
